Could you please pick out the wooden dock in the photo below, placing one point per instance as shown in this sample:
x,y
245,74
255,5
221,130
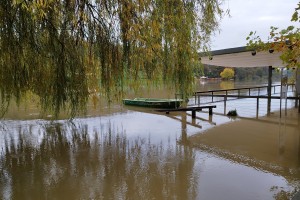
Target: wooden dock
x,y
193,109
224,95
245,92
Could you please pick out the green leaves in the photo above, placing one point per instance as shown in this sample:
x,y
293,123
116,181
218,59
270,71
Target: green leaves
x,y
286,41
295,16
65,51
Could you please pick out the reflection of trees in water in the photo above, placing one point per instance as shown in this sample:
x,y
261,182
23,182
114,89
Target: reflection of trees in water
x,y
225,85
69,162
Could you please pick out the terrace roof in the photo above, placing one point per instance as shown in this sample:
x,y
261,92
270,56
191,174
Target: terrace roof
x,y
242,57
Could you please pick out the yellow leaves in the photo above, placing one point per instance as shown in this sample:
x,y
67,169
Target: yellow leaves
x,y
155,28
286,41
227,73
81,45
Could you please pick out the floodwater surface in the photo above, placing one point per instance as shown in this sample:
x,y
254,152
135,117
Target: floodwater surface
x,y
137,153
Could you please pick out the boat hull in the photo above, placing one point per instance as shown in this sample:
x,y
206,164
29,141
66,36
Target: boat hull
x,y
153,103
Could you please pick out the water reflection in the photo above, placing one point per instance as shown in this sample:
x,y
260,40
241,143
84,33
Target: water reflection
x,y
135,153
69,161
226,85
269,143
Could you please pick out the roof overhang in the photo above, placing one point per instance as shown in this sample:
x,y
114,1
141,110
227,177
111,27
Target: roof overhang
x,y
242,57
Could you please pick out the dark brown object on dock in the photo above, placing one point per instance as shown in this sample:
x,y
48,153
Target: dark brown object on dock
x,y
193,109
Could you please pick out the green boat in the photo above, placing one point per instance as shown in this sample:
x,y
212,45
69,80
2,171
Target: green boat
x,y
153,102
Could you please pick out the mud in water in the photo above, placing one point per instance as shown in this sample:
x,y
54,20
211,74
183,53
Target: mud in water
x,y
137,153
269,144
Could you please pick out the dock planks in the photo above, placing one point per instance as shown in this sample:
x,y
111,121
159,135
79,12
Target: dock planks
x,y
193,109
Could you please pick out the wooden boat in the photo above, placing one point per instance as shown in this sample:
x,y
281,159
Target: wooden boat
x,y
153,102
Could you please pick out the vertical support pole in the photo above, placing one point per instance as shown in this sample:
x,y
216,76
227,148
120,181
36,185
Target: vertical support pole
x,y
225,102
280,105
257,106
298,103
193,114
212,97
184,138
249,92
269,90
210,111
285,108
210,118
194,121
199,99
297,88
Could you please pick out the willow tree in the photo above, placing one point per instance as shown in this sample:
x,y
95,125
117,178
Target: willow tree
x,y
63,51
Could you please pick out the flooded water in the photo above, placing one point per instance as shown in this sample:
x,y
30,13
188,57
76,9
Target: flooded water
x,y
137,153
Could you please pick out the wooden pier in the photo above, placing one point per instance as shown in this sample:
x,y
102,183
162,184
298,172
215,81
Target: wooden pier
x,y
246,92
193,109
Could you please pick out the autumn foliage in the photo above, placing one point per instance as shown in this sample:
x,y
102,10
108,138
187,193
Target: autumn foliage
x,y
286,41
64,51
227,73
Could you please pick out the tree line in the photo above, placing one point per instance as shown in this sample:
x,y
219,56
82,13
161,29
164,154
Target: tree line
x,y
240,73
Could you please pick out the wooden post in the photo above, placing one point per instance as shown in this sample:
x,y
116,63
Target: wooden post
x,y
297,88
194,120
269,90
184,137
225,101
210,111
193,113
210,118
257,107
298,103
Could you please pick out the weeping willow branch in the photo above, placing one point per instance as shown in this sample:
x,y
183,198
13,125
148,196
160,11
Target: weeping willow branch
x,y
63,51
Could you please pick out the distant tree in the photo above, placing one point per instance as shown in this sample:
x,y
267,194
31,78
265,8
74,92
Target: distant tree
x,y
213,71
241,73
227,73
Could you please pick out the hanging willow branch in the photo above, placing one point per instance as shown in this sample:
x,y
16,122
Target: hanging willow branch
x,y
65,50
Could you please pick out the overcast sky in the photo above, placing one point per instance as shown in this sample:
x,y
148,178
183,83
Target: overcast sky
x,y
252,15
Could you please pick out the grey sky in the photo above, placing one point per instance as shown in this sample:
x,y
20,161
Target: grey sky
x,y
252,15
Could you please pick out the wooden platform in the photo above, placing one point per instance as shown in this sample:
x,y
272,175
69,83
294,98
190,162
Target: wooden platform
x,y
193,109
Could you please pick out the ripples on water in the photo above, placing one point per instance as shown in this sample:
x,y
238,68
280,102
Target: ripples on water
x,y
109,158
83,161
138,154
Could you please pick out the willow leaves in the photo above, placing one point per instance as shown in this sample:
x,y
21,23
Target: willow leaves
x,y
63,51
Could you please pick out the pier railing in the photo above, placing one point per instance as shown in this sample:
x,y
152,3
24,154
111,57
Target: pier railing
x,y
213,96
